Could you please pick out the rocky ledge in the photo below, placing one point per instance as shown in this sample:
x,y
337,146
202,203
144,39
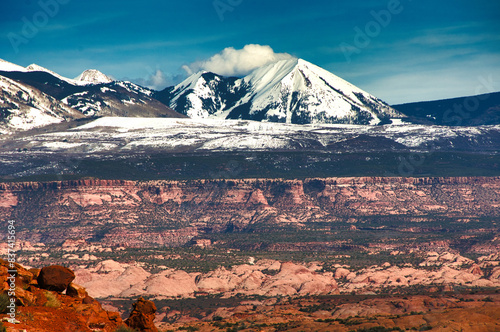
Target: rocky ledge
x,y
171,213
47,300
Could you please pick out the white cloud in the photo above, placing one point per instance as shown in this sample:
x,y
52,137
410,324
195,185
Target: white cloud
x,y
156,80
233,62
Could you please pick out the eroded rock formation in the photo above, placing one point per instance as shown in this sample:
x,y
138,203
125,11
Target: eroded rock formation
x,y
142,316
39,309
173,212
274,278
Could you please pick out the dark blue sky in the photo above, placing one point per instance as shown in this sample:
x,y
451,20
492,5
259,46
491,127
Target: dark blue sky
x,y
423,50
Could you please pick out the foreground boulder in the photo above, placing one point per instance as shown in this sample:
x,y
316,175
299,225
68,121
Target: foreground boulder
x,y
47,309
142,316
55,278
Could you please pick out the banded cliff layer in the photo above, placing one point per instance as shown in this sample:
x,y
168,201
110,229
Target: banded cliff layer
x,y
170,213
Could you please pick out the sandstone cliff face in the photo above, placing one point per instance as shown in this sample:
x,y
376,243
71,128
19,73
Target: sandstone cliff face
x,y
172,212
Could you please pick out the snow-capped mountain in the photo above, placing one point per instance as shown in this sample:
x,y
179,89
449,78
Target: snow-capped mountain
x,y
290,91
93,76
203,95
23,107
88,77
91,94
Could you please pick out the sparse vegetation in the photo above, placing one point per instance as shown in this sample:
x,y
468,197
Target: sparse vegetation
x,y
125,328
52,301
4,302
188,328
377,329
276,164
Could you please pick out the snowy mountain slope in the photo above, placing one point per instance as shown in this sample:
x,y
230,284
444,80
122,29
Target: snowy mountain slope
x,y
159,148
291,91
203,95
117,99
9,66
23,107
36,68
86,96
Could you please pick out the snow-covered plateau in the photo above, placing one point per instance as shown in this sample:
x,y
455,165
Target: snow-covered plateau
x,y
119,135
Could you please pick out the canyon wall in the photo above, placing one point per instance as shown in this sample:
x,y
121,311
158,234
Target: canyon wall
x,y
171,213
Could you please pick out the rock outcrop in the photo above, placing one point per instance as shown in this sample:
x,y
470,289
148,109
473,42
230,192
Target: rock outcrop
x,y
124,280
43,310
77,291
273,278
55,278
142,316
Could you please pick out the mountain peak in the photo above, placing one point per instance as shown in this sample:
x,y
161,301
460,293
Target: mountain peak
x,y
292,91
35,67
93,76
9,66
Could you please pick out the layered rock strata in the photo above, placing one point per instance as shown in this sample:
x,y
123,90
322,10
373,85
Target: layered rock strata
x,y
170,213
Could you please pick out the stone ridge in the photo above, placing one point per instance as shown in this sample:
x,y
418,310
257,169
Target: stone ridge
x,y
334,180
86,206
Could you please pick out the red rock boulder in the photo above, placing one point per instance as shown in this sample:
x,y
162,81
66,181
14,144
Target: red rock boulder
x,y
142,316
55,278
76,291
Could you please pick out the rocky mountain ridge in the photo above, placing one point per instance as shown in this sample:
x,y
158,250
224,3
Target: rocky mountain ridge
x,y
92,94
24,107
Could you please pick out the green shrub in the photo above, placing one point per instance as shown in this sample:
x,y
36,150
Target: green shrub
x,y
52,301
125,328
4,302
425,328
189,328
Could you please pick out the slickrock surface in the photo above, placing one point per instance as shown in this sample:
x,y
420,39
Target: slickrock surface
x,y
110,278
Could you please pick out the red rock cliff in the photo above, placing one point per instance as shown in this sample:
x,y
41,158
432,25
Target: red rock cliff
x,y
172,212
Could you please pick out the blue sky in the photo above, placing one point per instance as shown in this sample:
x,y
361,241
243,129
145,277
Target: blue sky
x,y
422,50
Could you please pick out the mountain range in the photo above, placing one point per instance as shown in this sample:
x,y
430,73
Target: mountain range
x,y
477,110
288,91
291,91
34,97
